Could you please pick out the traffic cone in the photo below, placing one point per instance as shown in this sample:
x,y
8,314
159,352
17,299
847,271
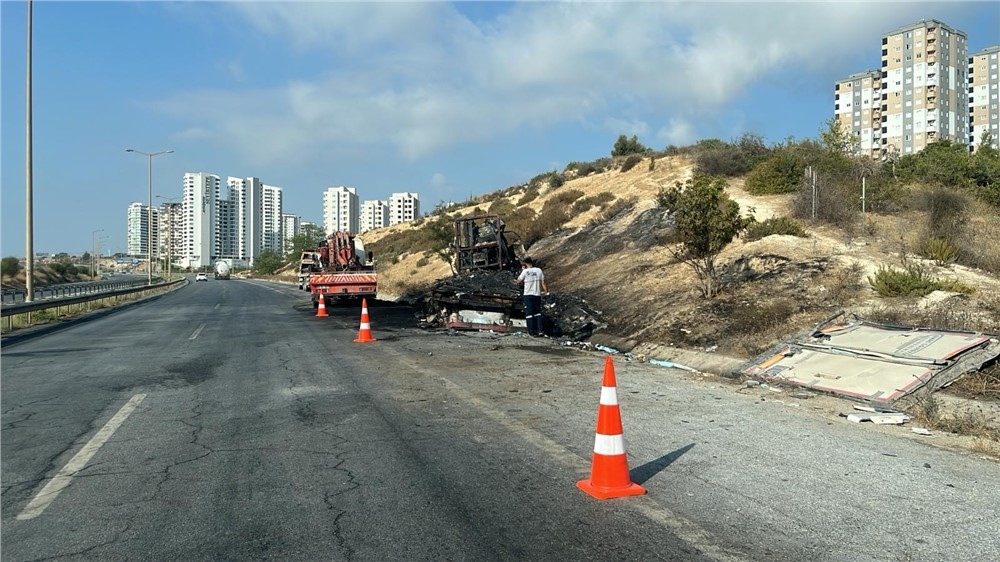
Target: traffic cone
x,y
365,335
321,309
609,476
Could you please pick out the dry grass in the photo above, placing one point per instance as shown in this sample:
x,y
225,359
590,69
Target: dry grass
x,y
929,412
980,384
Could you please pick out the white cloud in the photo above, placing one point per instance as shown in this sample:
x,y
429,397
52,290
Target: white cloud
x,y
420,77
677,132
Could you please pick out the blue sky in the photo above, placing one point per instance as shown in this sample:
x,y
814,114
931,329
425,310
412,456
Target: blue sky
x,y
443,99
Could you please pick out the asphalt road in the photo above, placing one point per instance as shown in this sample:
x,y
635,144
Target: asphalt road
x,y
246,428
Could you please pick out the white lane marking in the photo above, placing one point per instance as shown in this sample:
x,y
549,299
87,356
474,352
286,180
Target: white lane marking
x,y
48,494
196,332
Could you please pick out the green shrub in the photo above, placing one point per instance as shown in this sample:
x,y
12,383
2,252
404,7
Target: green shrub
x,y
530,194
781,173
779,225
501,207
625,146
941,250
10,266
611,211
584,204
630,162
564,198
553,179
913,281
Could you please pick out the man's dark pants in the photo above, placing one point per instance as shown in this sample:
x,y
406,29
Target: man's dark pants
x,y
533,314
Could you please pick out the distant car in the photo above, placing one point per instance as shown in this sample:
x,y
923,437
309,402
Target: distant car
x,y
201,277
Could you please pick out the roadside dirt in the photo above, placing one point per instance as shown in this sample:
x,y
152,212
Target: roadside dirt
x,y
778,286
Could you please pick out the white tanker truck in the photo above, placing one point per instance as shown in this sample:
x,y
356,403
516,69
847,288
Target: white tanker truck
x,y
221,270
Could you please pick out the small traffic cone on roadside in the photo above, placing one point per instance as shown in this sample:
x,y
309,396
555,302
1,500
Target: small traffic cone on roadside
x,y
365,334
609,476
321,309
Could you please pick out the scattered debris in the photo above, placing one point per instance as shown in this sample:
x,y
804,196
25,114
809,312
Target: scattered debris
x,y
490,299
920,431
875,363
672,365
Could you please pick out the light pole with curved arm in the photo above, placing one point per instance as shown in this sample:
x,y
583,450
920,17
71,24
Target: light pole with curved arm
x,y
149,209
93,248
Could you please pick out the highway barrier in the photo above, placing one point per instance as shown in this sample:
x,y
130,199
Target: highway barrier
x,y
80,300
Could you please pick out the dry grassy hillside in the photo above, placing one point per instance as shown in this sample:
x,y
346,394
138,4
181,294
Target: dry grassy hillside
x,y
780,284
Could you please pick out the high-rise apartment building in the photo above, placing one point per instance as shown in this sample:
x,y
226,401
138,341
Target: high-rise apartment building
x,y
374,214
171,229
858,107
201,216
255,223
984,89
403,207
138,237
291,226
924,86
341,210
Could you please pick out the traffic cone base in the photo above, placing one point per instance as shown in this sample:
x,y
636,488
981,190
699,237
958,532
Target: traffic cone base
x,y
321,309
365,334
609,477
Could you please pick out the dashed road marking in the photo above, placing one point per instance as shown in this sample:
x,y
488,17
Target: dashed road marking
x,y
59,483
196,332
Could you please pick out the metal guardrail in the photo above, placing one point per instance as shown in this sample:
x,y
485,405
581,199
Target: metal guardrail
x,y
9,311
13,296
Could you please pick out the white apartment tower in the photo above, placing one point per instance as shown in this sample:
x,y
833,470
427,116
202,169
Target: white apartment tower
x,y
291,226
254,219
374,214
138,236
341,210
858,107
403,207
924,86
984,90
201,218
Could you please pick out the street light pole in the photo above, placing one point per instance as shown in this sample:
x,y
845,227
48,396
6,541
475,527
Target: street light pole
x,y
93,248
170,235
149,209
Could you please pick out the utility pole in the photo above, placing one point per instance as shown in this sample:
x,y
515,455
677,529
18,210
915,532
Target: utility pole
x,y
29,253
93,249
149,209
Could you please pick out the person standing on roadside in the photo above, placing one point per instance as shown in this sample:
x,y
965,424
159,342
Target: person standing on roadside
x,y
534,283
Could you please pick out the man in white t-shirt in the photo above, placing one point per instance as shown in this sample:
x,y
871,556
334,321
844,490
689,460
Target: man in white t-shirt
x,y
534,283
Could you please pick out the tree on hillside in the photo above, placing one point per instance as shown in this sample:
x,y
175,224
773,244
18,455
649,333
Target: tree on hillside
x,y
707,221
442,234
9,266
625,146
313,232
268,262
985,170
300,243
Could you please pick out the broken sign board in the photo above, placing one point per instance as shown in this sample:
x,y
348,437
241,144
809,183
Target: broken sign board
x,y
874,363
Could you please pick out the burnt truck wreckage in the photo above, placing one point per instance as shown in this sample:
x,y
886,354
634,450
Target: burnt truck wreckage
x,y
483,295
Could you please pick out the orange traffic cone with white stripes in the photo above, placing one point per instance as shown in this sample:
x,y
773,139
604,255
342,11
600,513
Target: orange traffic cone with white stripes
x,y
365,334
609,476
321,309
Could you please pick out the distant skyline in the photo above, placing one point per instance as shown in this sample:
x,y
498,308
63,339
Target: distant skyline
x,y
447,100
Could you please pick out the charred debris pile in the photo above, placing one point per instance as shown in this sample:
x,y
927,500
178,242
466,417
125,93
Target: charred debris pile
x,y
565,315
